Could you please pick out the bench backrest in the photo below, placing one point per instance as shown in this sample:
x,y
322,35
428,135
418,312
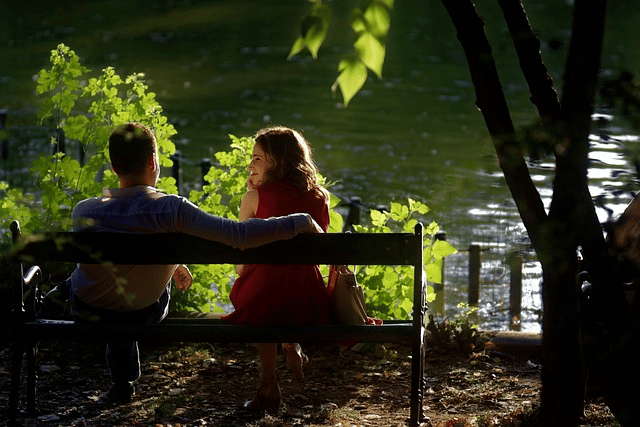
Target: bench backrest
x,y
174,248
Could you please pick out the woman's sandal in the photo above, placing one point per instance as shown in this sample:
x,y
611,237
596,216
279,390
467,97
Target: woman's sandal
x,y
267,398
296,359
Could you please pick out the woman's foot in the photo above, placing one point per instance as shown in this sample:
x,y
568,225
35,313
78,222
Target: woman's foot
x,y
296,359
267,398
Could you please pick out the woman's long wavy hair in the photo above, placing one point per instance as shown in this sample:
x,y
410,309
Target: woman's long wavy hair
x,y
291,155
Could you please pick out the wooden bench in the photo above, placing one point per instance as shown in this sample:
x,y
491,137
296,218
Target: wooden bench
x,y
169,248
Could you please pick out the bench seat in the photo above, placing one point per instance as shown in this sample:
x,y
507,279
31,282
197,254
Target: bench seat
x,y
213,330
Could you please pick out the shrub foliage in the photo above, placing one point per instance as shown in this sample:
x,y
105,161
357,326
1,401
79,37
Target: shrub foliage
x,y
85,109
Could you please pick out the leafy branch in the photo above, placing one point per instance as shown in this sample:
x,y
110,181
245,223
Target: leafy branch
x,y
389,289
370,22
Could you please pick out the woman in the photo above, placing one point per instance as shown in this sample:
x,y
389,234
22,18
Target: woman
x,y
282,180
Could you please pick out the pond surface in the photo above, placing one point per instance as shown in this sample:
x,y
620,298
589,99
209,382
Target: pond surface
x,y
220,68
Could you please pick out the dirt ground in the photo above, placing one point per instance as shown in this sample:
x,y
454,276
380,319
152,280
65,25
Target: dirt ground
x,y
368,385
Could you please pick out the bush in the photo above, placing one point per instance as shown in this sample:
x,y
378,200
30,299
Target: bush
x,y
86,109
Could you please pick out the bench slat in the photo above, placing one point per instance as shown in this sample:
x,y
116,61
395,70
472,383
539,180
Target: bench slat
x,y
60,330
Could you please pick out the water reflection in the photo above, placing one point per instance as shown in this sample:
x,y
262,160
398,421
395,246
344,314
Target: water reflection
x,y
497,228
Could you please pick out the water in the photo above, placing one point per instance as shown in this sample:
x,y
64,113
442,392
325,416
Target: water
x,y
220,68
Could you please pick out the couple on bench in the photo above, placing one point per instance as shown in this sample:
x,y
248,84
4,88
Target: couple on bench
x,y
283,200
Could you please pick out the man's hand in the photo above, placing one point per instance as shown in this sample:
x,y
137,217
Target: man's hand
x,y
315,228
183,278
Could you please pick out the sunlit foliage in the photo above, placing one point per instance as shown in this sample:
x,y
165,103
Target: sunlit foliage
x,y
86,109
370,22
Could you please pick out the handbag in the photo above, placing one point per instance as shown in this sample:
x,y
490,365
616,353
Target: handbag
x,y
347,298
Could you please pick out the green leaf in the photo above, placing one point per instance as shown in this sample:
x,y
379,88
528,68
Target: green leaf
x,y
378,218
336,222
371,52
388,3
314,34
442,248
399,212
432,228
358,23
297,47
313,30
434,273
416,206
75,127
406,306
168,185
409,226
46,82
353,74
377,19
334,200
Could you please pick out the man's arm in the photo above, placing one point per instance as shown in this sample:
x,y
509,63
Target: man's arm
x,y
247,234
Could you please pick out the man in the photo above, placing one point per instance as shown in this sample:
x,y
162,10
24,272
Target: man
x,y
140,293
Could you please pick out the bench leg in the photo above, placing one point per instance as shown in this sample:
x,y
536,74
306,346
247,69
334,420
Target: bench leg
x,y
417,383
16,370
32,352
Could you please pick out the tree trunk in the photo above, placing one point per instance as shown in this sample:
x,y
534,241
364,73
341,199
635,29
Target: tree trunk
x,y
555,237
573,217
610,343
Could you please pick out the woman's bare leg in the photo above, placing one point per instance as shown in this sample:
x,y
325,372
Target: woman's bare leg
x,y
268,396
296,359
268,353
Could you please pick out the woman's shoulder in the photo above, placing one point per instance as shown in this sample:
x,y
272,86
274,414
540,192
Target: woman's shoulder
x,y
251,196
249,205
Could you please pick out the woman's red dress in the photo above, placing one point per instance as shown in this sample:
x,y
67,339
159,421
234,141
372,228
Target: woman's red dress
x,y
282,294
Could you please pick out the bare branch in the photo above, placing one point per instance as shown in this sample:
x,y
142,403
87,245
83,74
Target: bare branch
x,y
491,101
543,94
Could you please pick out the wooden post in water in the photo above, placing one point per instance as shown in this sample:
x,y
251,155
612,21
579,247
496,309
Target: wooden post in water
x,y
82,153
515,294
353,217
205,165
61,141
438,303
474,274
175,168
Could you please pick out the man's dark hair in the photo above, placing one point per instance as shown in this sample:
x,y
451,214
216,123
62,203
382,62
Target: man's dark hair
x,y
130,146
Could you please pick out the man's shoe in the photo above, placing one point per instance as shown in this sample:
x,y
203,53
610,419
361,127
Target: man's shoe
x,y
122,392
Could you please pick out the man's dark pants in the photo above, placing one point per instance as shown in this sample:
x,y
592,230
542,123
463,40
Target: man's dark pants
x,y
123,359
